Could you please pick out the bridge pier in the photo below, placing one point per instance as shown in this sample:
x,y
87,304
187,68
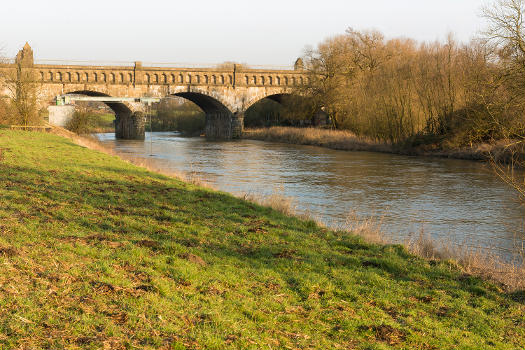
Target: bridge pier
x,y
217,90
218,125
237,125
224,125
130,126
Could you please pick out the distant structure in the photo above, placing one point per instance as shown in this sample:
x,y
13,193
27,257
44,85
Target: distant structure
x,y
299,65
224,94
24,57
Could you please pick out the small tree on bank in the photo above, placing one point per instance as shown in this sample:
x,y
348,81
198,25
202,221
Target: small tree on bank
x,y
23,100
81,122
20,100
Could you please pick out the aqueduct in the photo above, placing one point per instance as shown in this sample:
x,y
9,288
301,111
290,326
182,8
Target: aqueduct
x,y
224,94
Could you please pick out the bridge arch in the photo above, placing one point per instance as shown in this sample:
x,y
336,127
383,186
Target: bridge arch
x,y
129,123
277,97
221,122
208,102
318,116
119,108
265,109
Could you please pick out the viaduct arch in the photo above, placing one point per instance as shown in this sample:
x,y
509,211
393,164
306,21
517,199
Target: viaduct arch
x,y
224,94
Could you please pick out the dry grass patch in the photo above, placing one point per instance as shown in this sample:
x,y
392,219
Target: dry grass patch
x,y
335,139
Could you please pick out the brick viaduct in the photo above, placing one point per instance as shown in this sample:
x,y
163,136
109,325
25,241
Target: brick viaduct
x,y
224,94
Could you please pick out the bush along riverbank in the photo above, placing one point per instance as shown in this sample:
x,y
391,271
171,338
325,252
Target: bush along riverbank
x,y
347,141
97,252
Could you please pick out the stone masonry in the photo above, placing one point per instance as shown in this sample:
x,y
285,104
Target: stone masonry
x,y
224,94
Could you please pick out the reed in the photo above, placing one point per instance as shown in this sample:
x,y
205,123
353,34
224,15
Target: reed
x,y
498,151
334,139
275,200
474,261
471,260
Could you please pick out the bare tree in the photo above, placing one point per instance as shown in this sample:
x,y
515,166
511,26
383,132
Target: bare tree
x,y
506,27
20,90
506,32
22,95
441,95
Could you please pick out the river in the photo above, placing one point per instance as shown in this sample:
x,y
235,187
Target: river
x,y
454,201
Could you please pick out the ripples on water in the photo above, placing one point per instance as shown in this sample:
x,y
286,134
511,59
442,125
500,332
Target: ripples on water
x,y
453,200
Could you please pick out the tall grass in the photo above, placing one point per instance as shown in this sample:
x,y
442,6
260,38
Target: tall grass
x,y
276,200
472,260
335,139
348,141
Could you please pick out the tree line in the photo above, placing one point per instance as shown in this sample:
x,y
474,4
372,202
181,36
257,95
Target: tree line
x,y
399,90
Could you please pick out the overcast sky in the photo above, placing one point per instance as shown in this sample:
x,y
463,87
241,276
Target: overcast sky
x,y
273,32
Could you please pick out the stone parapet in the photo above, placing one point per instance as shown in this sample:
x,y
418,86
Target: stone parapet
x,y
224,93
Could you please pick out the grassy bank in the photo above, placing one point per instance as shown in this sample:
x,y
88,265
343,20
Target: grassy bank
x,y
347,141
98,253
86,121
102,123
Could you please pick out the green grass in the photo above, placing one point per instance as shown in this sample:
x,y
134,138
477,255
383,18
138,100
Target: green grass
x,y
106,119
102,122
97,253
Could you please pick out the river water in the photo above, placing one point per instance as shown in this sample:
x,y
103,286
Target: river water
x,y
454,201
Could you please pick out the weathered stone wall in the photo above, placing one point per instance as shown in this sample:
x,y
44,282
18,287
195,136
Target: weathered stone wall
x,y
223,93
139,75
218,125
237,125
236,99
130,126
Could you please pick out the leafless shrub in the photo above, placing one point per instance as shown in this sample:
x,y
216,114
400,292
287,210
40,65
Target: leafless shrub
x,y
20,97
367,227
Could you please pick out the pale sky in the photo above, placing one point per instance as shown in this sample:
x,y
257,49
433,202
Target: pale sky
x,y
269,32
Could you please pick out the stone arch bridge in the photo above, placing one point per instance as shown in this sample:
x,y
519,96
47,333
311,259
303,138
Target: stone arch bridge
x,y
224,94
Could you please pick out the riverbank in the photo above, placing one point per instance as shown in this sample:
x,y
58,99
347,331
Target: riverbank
x,y
347,141
98,253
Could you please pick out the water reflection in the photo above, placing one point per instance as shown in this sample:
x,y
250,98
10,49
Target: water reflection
x,y
450,199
